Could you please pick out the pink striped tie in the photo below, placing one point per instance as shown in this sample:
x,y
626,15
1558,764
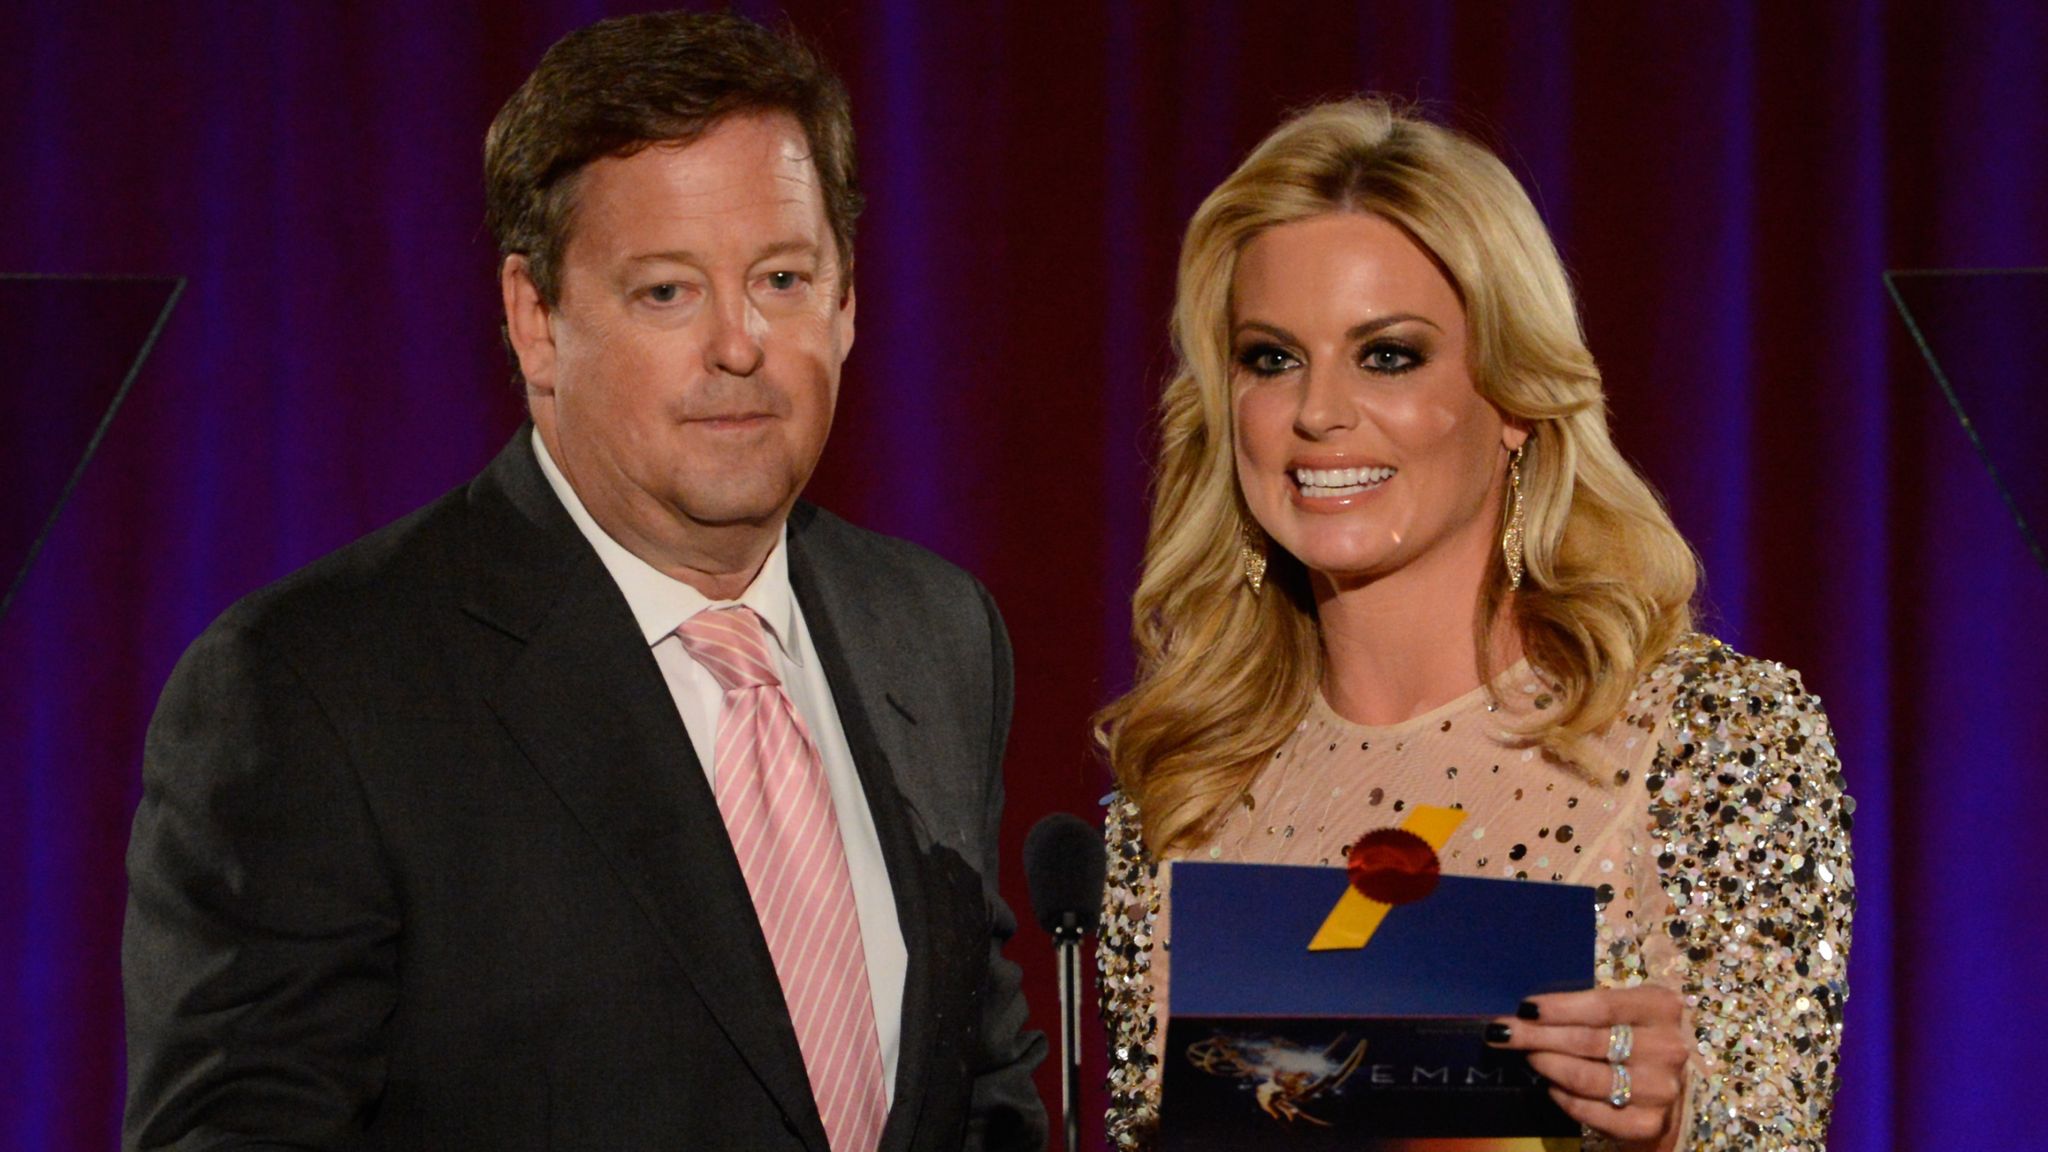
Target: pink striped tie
x,y
778,811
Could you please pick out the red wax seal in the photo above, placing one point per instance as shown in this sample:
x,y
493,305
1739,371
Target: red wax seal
x,y
1393,866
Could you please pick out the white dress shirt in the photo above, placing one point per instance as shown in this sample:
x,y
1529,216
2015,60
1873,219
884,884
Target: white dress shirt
x,y
660,604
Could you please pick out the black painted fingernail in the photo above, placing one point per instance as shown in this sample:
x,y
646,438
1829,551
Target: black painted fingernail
x,y
1526,1010
1497,1033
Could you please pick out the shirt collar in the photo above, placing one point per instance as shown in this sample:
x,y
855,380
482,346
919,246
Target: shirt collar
x,y
660,602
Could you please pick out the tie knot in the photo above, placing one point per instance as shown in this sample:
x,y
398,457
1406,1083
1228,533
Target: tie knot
x,y
731,644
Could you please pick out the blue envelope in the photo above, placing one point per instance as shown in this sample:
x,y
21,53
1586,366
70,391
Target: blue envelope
x,y
1270,1045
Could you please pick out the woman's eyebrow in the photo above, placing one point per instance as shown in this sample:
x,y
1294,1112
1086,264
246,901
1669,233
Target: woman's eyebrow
x,y
1356,332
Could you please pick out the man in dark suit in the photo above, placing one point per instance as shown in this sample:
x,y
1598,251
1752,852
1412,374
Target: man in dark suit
x,y
618,800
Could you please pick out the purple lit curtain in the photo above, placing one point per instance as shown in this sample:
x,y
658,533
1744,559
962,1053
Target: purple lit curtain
x,y
1727,181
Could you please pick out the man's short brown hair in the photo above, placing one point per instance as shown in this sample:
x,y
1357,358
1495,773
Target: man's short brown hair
x,y
621,85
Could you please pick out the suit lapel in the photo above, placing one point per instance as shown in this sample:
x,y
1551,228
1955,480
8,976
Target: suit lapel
x,y
845,635
586,704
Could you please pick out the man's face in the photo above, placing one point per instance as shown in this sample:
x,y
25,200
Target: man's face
x,y
685,380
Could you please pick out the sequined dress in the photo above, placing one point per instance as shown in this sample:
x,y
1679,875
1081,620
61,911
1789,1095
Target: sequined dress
x,y
1709,818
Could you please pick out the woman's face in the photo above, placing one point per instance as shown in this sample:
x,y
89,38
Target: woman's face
x,y
1362,446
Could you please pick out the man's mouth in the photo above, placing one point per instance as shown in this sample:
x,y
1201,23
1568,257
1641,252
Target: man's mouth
x,y
731,418
1323,483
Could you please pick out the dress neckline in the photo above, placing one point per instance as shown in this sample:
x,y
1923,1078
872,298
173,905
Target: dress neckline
x,y
1319,705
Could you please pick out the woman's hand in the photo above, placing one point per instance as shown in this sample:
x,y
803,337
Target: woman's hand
x,y
1570,1037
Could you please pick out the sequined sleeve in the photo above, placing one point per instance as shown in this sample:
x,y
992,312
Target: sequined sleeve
x,y
1750,826
1123,957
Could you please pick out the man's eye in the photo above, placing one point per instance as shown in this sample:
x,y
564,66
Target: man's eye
x,y
1391,358
1265,360
784,281
664,293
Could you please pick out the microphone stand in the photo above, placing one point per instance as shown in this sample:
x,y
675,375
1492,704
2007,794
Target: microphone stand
x,y
1064,863
1067,947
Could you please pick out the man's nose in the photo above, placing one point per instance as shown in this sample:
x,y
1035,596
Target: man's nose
x,y
1327,404
737,333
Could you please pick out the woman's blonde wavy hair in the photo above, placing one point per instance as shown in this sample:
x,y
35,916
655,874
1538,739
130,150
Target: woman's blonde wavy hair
x,y
1224,674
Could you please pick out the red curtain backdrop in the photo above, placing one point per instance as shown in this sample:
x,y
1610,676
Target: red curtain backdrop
x,y
1726,181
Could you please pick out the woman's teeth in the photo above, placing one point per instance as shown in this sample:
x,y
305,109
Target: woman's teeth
x,y
1323,482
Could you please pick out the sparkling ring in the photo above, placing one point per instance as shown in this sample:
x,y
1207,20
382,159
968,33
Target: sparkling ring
x,y
1620,1096
1621,1042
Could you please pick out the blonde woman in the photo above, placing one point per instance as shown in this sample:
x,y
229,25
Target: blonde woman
x,y
1394,560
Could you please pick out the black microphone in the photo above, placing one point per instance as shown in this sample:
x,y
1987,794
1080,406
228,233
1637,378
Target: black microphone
x,y
1064,867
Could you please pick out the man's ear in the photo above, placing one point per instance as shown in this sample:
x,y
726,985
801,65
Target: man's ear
x,y
845,319
527,326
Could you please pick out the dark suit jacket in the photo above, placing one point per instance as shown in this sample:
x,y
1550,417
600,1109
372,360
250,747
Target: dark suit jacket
x,y
424,858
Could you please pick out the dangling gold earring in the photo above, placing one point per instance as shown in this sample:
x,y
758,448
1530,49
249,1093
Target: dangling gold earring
x,y
1253,558
1511,540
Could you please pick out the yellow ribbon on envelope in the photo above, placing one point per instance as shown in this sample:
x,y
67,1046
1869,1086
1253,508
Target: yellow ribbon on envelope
x,y
1357,916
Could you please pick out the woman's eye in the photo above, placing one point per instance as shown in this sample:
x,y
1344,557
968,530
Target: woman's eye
x,y
1390,358
1265,360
